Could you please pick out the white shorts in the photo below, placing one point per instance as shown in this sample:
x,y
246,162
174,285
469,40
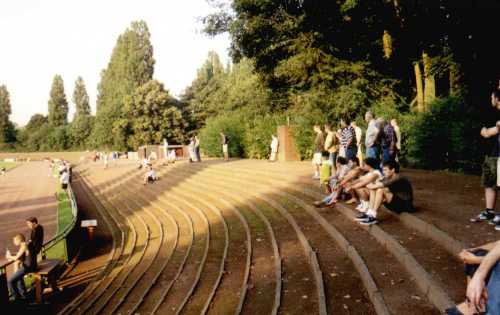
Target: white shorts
x,y
224,148
317,159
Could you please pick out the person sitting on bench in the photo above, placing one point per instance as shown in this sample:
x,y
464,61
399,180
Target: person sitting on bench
x,y
150,176
22,265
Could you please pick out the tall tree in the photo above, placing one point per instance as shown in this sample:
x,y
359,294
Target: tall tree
x,y
7,134
58,105
207,81
150,115
131,65
81,98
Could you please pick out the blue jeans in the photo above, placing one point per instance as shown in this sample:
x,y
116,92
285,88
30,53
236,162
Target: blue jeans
x,y
387,156
372,152
351,152
16,283
493,287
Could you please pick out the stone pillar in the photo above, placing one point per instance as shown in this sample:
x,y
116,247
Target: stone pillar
x,y
287,151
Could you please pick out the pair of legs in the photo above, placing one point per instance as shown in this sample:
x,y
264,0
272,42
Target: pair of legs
x,y
16,283
377,198
333,158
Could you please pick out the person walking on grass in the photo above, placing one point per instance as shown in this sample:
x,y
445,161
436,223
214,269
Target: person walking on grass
x,y
274,148
225,146
23,260
319,143
35,242
490,178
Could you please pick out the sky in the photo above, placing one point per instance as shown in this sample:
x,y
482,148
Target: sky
x,y
42,38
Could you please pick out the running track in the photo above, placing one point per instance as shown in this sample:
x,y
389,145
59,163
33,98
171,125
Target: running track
x,y
26,191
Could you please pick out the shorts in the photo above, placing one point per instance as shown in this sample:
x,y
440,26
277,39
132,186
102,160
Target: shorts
x,y
151,179
489,175
224,148
317,158
64,186
398,205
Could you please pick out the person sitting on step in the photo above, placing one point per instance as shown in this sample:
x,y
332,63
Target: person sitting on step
x,y
22,265
394,191
358,188
342,168
354,172
483,289
150,176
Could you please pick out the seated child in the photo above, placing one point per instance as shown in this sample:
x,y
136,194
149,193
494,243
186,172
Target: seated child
x,y
342,168
150,176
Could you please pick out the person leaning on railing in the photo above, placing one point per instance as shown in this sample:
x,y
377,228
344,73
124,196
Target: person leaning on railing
x,y
23,264
35,242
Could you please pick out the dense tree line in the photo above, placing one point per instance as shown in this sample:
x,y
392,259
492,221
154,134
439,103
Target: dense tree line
x,y
297,62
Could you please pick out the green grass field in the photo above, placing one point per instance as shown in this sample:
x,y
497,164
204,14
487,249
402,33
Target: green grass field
x,y
73,157
8,165
64,218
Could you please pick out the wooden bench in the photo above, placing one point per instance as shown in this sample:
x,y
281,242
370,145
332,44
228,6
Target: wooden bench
x,y
47,270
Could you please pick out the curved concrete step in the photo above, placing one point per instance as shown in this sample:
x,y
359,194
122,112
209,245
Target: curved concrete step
x,y
431,288
111,268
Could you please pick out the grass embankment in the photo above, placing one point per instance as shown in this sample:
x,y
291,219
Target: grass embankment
x,y
73,157
64,218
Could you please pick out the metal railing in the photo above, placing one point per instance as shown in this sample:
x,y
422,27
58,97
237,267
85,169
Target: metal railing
x,y
60,238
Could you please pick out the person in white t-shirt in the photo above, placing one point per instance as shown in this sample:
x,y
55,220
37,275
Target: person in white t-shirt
x,y
358,188
274,148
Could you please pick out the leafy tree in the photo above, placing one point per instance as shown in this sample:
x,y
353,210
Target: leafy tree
x,y
207,81
131,65
81,98
35,133
7,129
79,131
58,105
150,115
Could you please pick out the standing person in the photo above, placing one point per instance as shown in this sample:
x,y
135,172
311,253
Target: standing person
x,y
64,179
165,150
191,149
359,135
106,157
397,131
332,146
35,242
197,148
348,140
319,143
225,146
371,136
274,148
489,177
22,266
388,141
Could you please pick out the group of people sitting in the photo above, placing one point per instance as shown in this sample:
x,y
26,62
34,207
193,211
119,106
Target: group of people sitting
x,y
25,259
372,182
367,186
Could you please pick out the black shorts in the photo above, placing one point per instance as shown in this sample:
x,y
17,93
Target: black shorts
x,y
151,179
399,205
64,186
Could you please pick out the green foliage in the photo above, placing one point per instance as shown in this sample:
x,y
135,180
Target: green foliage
x,y
150,115
131,65
232,126
442,138
81,98
258,132
79,131
7,129
56,140
58,105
